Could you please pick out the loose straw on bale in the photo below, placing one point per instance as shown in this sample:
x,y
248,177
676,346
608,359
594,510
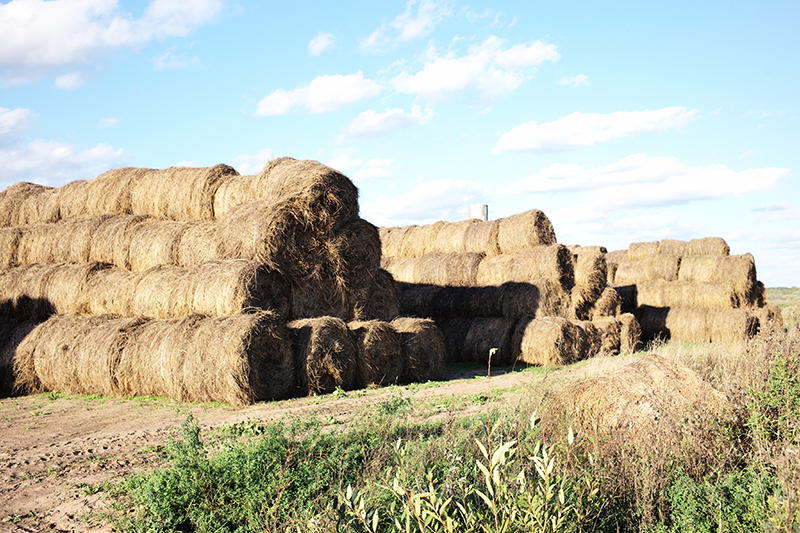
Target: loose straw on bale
x,y
609,332
379,353
740,270
554,263
423,349
609,304
9,244
471,339
325,355
18,204
547,341
436,268
657,266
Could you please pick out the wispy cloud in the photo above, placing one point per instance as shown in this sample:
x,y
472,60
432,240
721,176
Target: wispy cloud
x,y
581,80
107,123
320,43
69,82
323,94
372,125
588,129
418,20
55,163
169,60
13,122
247,164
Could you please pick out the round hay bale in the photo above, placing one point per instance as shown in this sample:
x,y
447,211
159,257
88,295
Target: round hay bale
x,y
33,245
482,237
610,334
542,298
609,304
658,293
460,270
524,230
589,339
453,332
110,192
769,315
423,349
28,294
740,270
639,251
658,266
672,247
8,290
9,244
325,355
199,243
391,239
546,341
653,322
7,354
73,199
486,334
358,247
20,377
590,279
731,325
162,291
154,243
379,353
420,240
66,287
233,190
420,300
19,204
378,300
111,239
709,246
554,263
630,334
41,208
112,291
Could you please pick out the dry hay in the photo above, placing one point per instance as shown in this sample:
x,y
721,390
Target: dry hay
x,y
609,331
740,270
110,192
709,246
638,251
453,332
630,333
9,244
178,193
67,241
199,243
25,291
589,339
460,270
590,280
657,266
471,235
649,401
768,315
378,299
542,298
379,353
355,251
578,249
760,294
546,341
673,247
236,359
20,373
613,259
8,349
609,304
391,240
696,324
111,239
423,349
628,294
324,354
471,340
524,230
233,190
731,325
554,263
154,243
73,199
721,294
18,203
420,240
40,208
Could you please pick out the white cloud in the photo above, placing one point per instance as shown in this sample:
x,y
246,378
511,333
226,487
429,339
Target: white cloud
x,y
41,38
575,81
13,122
370,174
170,61
323,94
408,25
320,43
488,69
371,125
588,129
430,201
380,162
779,211
642,181
750,153
247,164
344,162
107,123
69,82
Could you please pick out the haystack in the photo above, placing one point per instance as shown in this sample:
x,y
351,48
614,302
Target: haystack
x,y
12,332
19,204
524,230
111,239
233,191
658,266
609,304
377,298
199,244
658,293
696,324
420,240
651,401
609,331
588,338
423,349
110,192
324,354
740,270
554,263
547,341
379,353
471,339
460,270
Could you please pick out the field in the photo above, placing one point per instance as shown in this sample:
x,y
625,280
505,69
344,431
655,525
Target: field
x,y
88,463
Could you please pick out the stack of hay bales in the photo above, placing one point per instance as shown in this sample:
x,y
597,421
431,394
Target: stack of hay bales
x,y
691,291
507,284
198,284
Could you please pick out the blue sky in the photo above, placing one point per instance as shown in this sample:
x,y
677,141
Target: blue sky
x,y
622,121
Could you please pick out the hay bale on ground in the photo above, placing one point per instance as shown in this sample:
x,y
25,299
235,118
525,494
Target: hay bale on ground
x,y
420,240
657,266
470,340
7,327
630,333
379,353
17,373
769,315
554,263
609,304
524,230
199,244
325,355
639,251
423,349
731,325
709,246
378,299
696,324
647,402
391,239
546,341
111,239
610,334
9,244
673,247
740,270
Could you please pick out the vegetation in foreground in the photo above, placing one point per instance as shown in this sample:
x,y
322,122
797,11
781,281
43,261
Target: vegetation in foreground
x,y
503,470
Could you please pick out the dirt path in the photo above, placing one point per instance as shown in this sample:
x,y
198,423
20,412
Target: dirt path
x,y
56,450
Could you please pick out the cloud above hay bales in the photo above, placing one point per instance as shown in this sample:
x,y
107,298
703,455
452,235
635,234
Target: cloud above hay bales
x,y
372,125
643,181
13,122
247,164
588,129
489,69
418,20
324,94
41,38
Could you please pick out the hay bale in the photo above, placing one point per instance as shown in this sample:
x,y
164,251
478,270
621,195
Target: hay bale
x,y
154,243
379,299
436,268
471,339
25,291
471,235
40,208
483,237
546,341
769,315
379,353
740,270
609,304
588,338
760,294
178,193
554,263
112,291
609,331
67,241
630,333
543,298
111,239
20,204
423,349
709,246
17,373
628,294
613,259
673,247
391,240
7,354
325,355
524,230
639,251
233,190
590,280
647,402
420,240
199,244
731,325
657,266
9,244
110,192
659,293
66,287
682,324
73,199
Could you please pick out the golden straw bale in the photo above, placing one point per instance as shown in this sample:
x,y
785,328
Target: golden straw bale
x,y
610,334
630,333
588,338
578,249
73,199
553,263
379,353
451,237
420,240
590,280
325,355
111,239
26,289
673,247
7,354
543,298
546,341
66,241
609,304
154,243
485,334
483,237
448,269
391,240
613,259
110,192
40,208
647,402
19,203
731,325
112,291
378,299
709,246
178,193
199,243
740,270
659,293
423,349
682,324
657,266
9,244
162,291
638,251
67,287
21,373
768,315
524,230
357,245
233,190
